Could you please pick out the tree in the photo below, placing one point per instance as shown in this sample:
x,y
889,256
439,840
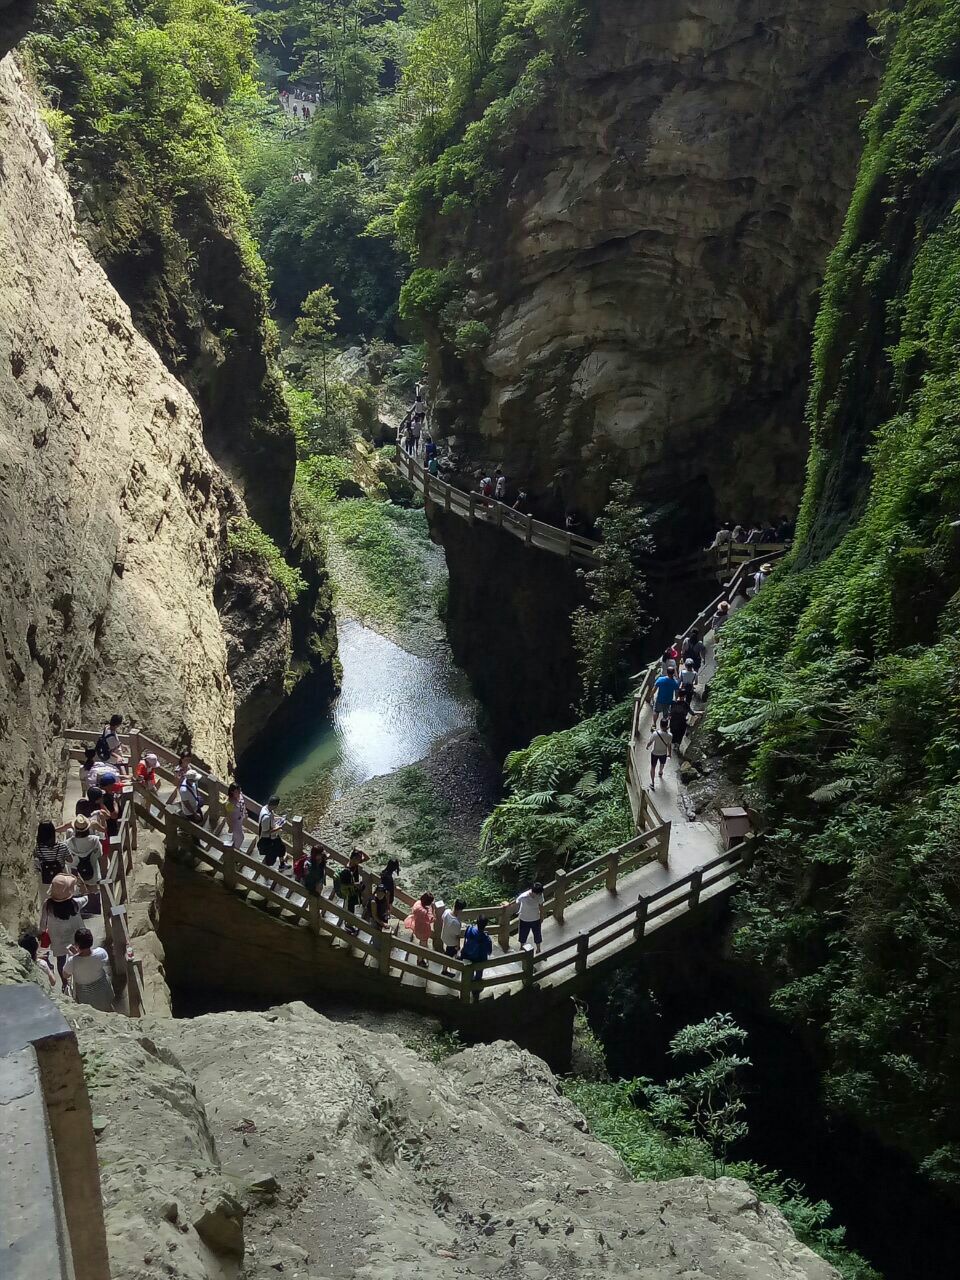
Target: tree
x,y
606,633
315,327
705,1103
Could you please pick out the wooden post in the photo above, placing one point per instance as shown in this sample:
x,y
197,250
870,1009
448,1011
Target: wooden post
x,y
313,909
228,865
296,827
132,819
583,947
529,956
644,812
560,897
641,924
383,958
446,497
663,845
499,515
170,841
503,933
466,982
437,924
569,543
472,513
613,866
214,807
528,532
121,875
134,984
696,884
426,490
107,919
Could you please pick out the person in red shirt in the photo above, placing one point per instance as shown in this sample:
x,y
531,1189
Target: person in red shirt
x,y
146,772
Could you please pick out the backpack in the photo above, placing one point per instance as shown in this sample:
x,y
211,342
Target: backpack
x,y
473,948
85,866
101,748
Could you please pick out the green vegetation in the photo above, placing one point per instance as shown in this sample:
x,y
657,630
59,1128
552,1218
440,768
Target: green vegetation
x,y
616,1115
688,1124
425,833
567,801
246,538
607,635
838,692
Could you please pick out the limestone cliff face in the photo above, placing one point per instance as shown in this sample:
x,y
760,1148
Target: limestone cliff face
x,y
112,512
650,266
282,1143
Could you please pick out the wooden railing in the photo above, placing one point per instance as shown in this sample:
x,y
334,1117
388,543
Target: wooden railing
x,y
114,899
474,506
393,955
643,692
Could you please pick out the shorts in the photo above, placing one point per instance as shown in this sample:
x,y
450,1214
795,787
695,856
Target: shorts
x,y
450,951
661,709
531,926
658,760
270,849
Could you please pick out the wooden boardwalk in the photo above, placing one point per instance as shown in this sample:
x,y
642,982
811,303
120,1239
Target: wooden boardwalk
x,y
595,915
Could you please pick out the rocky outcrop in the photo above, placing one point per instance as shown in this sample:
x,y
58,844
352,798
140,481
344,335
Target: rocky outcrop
x,y
263,1144
508,621
649,266
111,510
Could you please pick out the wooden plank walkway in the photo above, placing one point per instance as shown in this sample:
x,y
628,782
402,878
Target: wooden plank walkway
x,y
594,913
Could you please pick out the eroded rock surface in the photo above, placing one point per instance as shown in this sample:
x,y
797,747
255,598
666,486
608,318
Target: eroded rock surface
x,y
352,1157
111,511
649,267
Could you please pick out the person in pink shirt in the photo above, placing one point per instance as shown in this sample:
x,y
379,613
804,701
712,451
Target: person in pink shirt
x,y
420,922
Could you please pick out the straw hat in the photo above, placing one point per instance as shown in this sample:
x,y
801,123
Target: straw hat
x,y
766,568
62,888
81,823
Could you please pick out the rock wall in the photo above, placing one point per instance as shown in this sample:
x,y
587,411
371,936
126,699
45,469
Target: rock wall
x,y
650,264
276,1143
111,510
508,621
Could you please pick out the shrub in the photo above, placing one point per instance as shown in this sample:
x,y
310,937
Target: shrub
x,y
246,538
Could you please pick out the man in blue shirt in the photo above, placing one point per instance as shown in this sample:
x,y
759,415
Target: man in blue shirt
x,y
665,689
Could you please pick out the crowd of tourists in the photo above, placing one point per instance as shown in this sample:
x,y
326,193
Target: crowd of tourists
x,y
757,533
299,103
72,859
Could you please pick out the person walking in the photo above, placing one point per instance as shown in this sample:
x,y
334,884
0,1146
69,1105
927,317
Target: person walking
x,y
89,967
388,878
110,748
236,815
350,889
760,577
60,918
477,947
269,842
451,926
87,765
377,909
50,854
420,922
191,805
660,746
180,770
682,718
665,689
83,860
721,614
688,678
433,466
694,649
146,772
499,485
315,871
31,944
530,909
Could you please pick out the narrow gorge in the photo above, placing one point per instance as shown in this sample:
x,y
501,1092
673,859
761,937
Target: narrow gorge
x,y
516,440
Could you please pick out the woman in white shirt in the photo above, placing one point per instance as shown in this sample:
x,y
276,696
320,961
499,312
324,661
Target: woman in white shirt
x,y
60,918
236,812
89,967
